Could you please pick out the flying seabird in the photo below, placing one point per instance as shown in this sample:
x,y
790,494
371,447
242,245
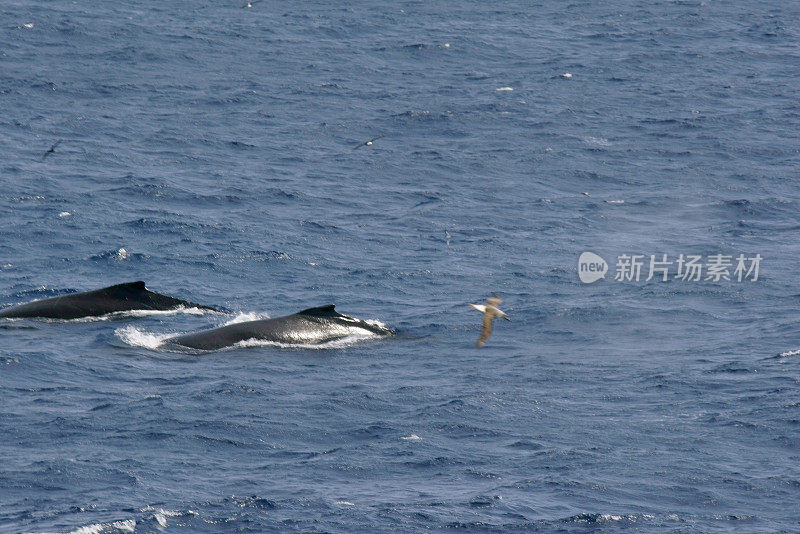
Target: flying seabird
x,y
489,311
51,149
368,143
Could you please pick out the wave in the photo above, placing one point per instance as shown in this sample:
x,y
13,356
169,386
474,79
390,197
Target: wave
x,y
160,516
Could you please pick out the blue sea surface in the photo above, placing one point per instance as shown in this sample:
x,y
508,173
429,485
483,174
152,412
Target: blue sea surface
x,y
209,149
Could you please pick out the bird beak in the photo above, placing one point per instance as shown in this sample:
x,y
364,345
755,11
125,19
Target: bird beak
x,y
506,318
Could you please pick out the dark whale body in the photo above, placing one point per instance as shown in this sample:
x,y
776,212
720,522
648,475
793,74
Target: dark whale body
x,y
311,326
121,297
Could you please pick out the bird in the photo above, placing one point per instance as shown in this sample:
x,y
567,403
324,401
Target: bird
x,y
368,143
51,149
489,311
250,3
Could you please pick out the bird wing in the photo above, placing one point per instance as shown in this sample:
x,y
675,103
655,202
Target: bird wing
x,y
488,318
51,149
367,143
494,301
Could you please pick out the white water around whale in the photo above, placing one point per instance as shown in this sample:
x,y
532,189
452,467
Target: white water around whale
x,y
119,315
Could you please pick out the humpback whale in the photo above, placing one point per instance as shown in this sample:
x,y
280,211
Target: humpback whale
x,y
311,326
121,297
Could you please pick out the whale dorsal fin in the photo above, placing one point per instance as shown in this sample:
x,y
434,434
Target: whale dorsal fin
x,y
320,311
135,287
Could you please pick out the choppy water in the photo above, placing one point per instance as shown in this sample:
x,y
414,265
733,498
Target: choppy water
x,y
208,150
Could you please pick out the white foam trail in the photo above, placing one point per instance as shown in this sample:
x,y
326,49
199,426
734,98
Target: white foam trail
x,y
789,353
375,322
412,437
242,317
130,313
504,89
139,338
340,343
148,313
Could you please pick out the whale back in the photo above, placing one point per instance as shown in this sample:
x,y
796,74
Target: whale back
x,y
116,298
126,290
321,311
309,326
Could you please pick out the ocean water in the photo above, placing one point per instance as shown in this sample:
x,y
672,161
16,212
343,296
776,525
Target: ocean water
x,y
208,149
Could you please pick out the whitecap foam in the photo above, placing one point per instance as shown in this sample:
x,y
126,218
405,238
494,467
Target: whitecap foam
x,y
412,437
128,525
125,525
343,503
597,141
790,353
161,515
95,528
501,89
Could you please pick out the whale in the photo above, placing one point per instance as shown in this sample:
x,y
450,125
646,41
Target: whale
x,y
130,296
310,327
